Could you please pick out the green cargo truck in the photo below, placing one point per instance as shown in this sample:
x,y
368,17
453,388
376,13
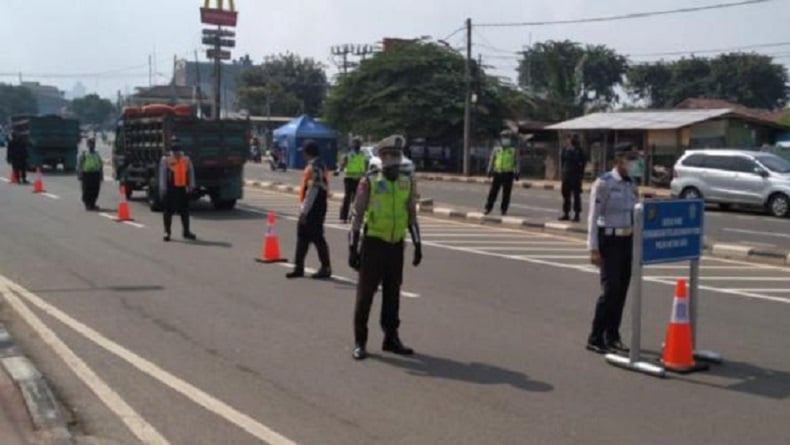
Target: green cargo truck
x,y
217,149
51,140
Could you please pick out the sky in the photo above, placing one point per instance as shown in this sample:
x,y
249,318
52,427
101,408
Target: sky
x,y
106,44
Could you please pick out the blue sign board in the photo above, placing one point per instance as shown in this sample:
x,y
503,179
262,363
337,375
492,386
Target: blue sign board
x,y
672,230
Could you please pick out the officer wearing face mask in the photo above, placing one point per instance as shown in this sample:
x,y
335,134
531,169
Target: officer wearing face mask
x,y
504,168
385,207
610,241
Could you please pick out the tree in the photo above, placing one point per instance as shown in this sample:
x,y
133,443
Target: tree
x,y
571,77
752,80
283,85
416,88
15,100
93,110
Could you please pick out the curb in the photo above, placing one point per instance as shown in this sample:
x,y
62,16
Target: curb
x,y
43,407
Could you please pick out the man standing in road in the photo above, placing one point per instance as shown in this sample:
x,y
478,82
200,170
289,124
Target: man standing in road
x,y
610,241
313,198
90,172
176,182
504,167
385,207
572,162
16,155
353,165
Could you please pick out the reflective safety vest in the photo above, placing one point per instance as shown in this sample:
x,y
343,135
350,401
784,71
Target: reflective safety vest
x,y
307,181
355,165
178,171
387,215
91,162
505,160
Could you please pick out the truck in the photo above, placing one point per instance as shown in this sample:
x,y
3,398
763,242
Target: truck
x,y
51,140
217,149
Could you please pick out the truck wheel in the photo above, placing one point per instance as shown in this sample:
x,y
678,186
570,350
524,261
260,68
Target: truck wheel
x,y
228,204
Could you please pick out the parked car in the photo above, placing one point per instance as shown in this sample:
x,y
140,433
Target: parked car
x,y
374,161
734,177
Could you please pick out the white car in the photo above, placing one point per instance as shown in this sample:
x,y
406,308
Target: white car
x,y
374,161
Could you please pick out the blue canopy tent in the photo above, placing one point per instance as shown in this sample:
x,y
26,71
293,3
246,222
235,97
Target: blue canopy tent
x,y
292,135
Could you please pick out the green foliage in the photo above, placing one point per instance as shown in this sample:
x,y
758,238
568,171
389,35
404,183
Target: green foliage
x,y
416,88
283,85
93,110
749,79
15,100
569,78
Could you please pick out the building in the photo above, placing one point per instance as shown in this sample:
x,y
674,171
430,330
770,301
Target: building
x,y
664,135
191,74
50,100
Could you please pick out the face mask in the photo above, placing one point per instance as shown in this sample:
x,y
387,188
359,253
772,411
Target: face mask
x,y
505,142
392,172
633,168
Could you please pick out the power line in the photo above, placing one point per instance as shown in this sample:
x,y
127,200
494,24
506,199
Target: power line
x,y
636,15
717,50
454,33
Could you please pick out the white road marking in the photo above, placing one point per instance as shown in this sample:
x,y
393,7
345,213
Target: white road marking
x,y
536,249
136,424
134,224
49,195
478,234
757,232
557,257
557,243
703,267
766,290
198,396
730,278
5,180
113,218
309,270
539,209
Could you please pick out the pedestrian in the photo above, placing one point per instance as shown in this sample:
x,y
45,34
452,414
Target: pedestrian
x,y
638,172
90,172
310,228
16,155
610,241
385,207
573,161
353,165
504,168
176,182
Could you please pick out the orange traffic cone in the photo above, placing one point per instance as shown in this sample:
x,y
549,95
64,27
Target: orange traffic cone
x,y
678,355
270,249
123,207
38,184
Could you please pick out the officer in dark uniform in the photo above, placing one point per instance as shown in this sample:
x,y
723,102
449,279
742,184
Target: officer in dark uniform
x,y
573,161
16,155
610,241
176,182
384,209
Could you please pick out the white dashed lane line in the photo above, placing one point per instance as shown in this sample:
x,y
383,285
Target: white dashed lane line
x,y
128,223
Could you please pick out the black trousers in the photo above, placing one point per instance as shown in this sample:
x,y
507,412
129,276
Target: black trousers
x,y
616,256
20,168
176,201
505,182
350,185
312,232
571,188
382,264
91,185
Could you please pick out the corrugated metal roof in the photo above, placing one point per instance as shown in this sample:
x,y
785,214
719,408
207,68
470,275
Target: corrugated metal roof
x,y
640,120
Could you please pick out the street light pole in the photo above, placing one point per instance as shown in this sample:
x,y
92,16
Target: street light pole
x,y
468,101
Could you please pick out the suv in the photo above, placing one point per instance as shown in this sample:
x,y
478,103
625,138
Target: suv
x,y
728,177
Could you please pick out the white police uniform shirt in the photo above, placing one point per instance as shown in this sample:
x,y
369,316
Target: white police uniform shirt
x,y
612,203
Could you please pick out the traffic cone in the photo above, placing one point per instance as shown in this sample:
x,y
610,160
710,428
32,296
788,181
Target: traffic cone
x,y
12,177
677,354
270,248
123,207
38,184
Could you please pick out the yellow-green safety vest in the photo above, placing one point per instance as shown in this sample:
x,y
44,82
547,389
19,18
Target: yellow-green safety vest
x,y
91,162
387,215
505,160
355,165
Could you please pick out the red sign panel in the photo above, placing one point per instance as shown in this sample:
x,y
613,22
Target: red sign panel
x,y
221,17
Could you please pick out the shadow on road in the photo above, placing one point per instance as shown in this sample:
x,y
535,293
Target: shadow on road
x,y
203,243
480,373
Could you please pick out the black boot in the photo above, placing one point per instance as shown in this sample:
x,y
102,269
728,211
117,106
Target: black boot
x,y
564,217
322,274
576,218
359,352
296,273
393,344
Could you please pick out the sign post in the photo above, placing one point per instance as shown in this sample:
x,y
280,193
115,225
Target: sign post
x,y
666,231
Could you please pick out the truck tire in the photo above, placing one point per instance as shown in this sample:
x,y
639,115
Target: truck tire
x,y
227,204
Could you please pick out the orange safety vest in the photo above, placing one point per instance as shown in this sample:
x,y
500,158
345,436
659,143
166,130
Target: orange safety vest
x,y
178,169
307,177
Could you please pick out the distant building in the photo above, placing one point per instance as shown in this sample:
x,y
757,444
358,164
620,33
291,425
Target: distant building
x,y
50,100
191,74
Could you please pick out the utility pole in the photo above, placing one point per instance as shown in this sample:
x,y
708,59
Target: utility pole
x,y
198,89
468,101
217,76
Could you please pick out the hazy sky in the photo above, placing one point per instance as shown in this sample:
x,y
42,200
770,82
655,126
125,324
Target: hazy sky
x,y
105,44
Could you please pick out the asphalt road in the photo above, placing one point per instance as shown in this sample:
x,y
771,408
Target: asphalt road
x,y
732,226
206,346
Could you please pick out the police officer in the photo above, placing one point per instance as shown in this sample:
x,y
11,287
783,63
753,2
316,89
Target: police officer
x,y
573,162
16,155
176,182
610,241
90,172
313,198
504,167
385,207
354,165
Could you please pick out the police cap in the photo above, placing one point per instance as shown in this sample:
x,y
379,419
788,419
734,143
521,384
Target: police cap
x,y
507,132
175,144
394,142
